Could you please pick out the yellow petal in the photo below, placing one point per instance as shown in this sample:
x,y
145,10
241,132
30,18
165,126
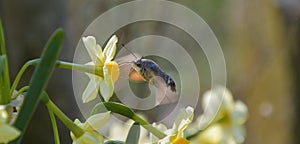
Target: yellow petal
x,y
8,133
110,49
180,141
113,70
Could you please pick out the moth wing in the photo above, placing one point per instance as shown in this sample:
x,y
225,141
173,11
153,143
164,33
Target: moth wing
x,y
125,64
164,95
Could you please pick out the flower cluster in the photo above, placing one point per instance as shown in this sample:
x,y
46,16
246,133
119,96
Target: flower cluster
x,y
226,126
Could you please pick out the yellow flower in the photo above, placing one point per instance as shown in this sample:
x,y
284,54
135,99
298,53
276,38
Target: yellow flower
x,y
7,132
93,123
109,70
175,135
228,123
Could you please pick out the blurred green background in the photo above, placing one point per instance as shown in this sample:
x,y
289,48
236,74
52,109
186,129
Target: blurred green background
x,y
260,40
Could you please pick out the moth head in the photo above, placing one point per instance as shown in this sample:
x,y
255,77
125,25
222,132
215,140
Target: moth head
x,y
138,63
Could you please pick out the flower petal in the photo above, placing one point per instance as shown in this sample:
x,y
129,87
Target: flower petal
x,y
8,133
91,90
239,133
100,56
91,46
240,113
98,120
110,49
89,138
107,86
182,121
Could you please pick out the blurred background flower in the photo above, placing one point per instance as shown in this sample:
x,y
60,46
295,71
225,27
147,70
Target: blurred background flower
x,y
259,39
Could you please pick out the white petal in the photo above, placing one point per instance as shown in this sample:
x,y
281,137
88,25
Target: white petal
x,y
110,48
91,90
107,87
91,46
240,113
183,119
89,138
90,63
216,103
98,120
160,127
238,133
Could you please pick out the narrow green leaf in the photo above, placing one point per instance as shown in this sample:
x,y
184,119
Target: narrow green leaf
x,y
2,40
5,97
1,77
1,64
39,80
114,142
114,107
134,134
5,81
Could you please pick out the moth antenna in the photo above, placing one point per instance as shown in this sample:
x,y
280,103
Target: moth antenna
x,y
120,64
129,51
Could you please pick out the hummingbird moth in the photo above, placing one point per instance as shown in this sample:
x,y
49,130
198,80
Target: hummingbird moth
x,y
146,70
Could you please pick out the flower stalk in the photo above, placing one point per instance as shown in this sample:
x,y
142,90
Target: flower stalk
x,y
67,122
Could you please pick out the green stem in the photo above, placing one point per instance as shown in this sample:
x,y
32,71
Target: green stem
x,y
59,64
76,130
54,127
80,67
21,72
23,89
149,127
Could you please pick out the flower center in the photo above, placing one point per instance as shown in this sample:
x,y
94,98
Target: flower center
x,y
180,140
113,70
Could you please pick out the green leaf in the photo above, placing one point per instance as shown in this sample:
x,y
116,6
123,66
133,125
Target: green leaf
x,y
134,134
114,107
4,81
39,80
2,40
114,142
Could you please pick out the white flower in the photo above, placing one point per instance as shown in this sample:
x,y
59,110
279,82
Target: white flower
x,y
7,132
106,71
93,123
119,132
175,135
227,126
